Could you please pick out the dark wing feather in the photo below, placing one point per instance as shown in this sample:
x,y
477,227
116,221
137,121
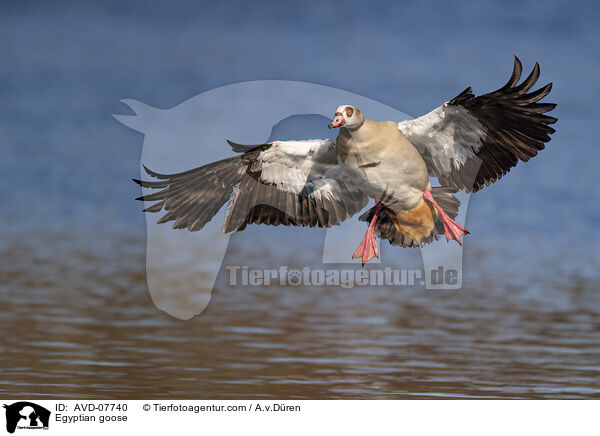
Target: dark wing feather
x,y
193,197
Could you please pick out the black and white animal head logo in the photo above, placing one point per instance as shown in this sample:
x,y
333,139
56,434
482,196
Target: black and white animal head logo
x,y
26,415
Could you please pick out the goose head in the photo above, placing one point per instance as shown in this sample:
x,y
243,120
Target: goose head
x,y
347,116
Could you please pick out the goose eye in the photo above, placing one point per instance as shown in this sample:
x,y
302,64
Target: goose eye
x,y
349,112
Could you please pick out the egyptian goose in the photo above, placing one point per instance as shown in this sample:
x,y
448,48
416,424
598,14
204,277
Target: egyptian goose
x,y
467,143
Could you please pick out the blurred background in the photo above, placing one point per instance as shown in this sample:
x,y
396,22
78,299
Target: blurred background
x,y
77,318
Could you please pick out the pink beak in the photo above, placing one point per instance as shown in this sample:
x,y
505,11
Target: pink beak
x,y
338,121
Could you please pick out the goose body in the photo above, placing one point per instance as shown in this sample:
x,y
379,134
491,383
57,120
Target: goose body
x,y
388,162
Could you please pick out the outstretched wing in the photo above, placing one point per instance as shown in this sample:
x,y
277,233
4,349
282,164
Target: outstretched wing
x,y
296,183
470,142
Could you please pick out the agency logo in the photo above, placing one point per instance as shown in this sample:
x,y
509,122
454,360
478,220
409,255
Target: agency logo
x,y
26,415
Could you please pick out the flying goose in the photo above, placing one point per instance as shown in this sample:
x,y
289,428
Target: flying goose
x,y
467,143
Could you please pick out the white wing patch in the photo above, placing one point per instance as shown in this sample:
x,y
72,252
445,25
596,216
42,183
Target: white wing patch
x,y
450,134
292,165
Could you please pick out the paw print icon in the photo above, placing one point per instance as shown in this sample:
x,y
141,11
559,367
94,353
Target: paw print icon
x,y
294,277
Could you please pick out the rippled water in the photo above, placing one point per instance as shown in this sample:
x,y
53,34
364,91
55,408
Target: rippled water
x,y
87,328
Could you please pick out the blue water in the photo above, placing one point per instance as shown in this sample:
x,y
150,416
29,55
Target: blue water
x,y
66,164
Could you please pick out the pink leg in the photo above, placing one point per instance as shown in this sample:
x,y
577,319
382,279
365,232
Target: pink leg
x,y
367,249
452,229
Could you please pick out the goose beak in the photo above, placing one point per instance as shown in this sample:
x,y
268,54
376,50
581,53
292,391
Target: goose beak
x,y
338,121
